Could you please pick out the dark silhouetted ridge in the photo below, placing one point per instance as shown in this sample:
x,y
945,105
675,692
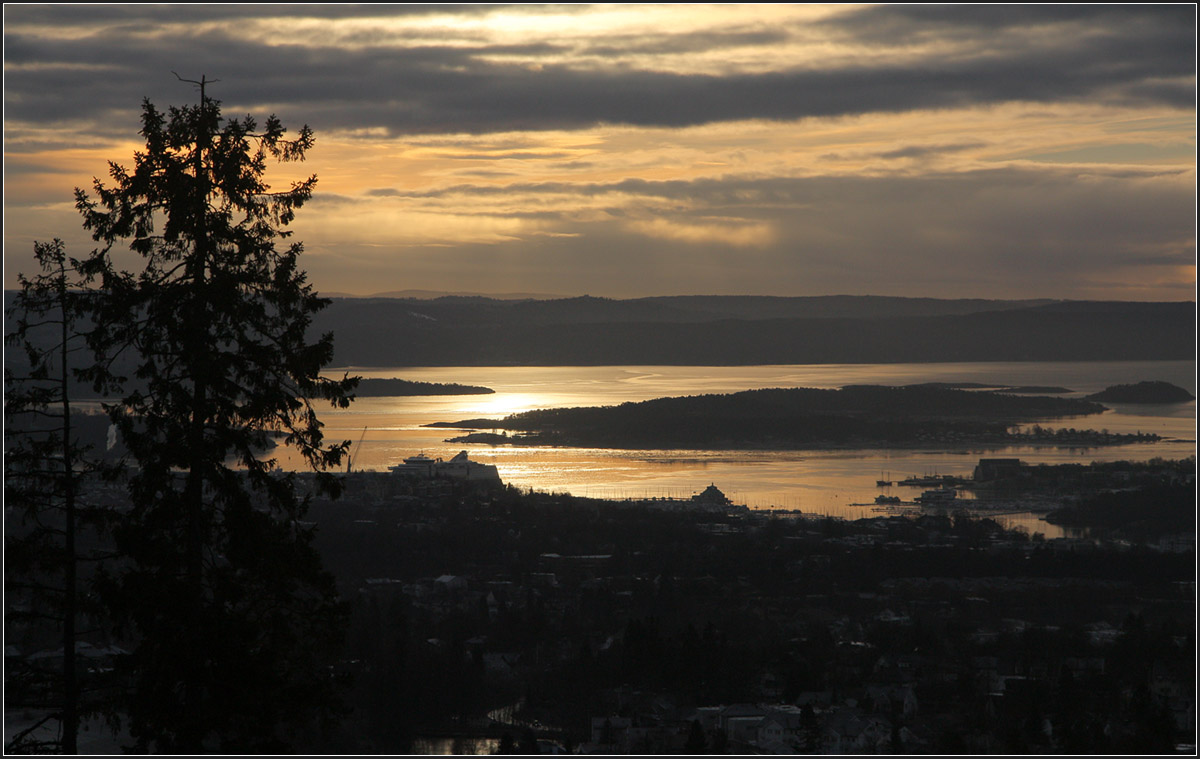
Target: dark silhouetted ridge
x,y
726,330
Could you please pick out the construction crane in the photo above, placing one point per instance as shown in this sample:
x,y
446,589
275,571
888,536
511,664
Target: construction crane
x,y
350,458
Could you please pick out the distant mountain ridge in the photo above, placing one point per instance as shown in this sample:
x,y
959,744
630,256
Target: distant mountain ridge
x,y
743,330
432,294
851,306
746,330
685,308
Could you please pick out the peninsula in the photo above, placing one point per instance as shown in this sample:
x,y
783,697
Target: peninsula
x,y
374,388
859,416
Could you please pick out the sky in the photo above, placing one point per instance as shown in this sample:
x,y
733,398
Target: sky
x,y
1007,151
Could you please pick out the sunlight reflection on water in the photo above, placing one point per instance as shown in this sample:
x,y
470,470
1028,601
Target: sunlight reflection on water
x,y
823,482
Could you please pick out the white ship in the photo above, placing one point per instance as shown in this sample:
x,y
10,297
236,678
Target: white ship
x,y
939,497
459,468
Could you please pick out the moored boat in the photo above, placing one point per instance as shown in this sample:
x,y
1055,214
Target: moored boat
x,y
939,497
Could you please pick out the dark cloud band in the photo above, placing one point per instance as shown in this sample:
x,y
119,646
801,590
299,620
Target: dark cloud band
x,y
1122,55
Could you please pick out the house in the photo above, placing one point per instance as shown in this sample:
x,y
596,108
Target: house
x,y
1177,694
451,583
743,730
848,731
781,729
740,722
890,699
609,734
841,732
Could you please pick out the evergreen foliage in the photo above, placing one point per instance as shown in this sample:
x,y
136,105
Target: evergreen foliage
x,y
45,467
220,584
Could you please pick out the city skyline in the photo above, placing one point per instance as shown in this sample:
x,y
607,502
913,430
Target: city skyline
x,y
625,151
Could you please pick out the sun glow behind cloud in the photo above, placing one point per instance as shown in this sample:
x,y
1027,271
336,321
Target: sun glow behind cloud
x,y
777,148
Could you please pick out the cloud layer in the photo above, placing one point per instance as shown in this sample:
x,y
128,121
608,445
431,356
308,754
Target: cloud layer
x,y
925,150
399,78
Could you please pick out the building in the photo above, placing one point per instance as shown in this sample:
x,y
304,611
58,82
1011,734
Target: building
x,y
997,469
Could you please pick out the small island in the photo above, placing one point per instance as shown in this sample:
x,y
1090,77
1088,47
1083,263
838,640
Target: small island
x,y
1037,390
1022,389
861,416
1143,392
375,388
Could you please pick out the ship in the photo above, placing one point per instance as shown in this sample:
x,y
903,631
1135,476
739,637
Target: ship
x,y
939,497
927,481
460,467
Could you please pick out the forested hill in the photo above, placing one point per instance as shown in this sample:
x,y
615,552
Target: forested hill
x,y
732,330
863,416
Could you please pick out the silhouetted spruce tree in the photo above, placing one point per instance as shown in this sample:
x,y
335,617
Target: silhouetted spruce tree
x,y
695,740
233,613
45,468
528,745
507,745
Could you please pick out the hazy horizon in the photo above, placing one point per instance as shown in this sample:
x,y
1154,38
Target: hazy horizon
x,y
623,151
422,294
418,294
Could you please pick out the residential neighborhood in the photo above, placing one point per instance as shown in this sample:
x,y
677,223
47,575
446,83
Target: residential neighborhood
x,y
493,616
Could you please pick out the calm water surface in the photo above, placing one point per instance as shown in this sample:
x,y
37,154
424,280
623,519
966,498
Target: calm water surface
x,y
819,482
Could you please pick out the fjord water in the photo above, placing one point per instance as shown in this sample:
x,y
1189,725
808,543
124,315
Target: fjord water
x,y
820,482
